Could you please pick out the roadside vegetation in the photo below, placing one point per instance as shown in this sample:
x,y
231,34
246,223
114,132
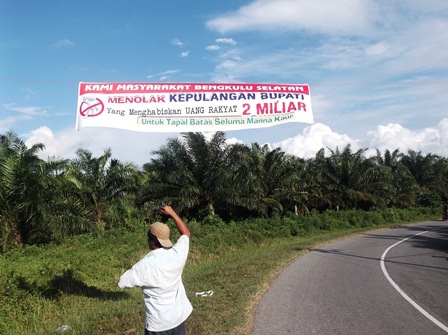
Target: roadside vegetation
x,y
73,285
69,228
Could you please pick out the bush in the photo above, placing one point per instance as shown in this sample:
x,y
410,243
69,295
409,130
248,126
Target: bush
x,y
389,215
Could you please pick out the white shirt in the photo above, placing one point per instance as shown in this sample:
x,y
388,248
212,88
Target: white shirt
x,y
159,274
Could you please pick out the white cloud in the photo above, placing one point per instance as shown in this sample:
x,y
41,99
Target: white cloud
x,y
335,17
377,49
184,54
13,114
209,134
403,39
395,136
178,43
213,47
62,145
163,75
125,145
313,138
29,93
230,41
26,110
384,137
7,123
63,43
225,41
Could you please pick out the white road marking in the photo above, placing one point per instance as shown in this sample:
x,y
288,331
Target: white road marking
x,y
412,302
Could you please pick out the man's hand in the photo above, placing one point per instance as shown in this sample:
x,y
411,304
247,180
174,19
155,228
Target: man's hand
x,y
167,210
183,229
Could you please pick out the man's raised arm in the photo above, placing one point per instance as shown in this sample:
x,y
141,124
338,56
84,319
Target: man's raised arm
x,y
181,226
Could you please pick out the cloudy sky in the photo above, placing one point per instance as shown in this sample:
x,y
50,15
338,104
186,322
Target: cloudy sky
x,y
378,69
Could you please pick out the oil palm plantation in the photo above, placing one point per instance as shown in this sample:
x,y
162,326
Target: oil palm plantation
x,y
20,190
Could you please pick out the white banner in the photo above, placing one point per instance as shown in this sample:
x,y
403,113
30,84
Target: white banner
x,y
189,107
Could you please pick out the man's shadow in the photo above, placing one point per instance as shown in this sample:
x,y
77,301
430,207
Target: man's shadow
x,y
68,284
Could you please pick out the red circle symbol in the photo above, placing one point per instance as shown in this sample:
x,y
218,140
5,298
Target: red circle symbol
x,y
87,109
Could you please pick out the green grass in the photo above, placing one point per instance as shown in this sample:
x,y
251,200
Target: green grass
x,y
75,283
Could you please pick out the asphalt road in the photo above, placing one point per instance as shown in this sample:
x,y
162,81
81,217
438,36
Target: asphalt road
x,y
389,282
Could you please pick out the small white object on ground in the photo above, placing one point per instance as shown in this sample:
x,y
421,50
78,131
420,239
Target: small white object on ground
x,y
204,294
63,329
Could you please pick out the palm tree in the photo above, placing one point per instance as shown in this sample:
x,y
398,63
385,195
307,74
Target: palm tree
x,y
64,214
265,179
402,189
353,180
422,170
440,182
305,189
99,181
20,190
189,172
420,167
314,183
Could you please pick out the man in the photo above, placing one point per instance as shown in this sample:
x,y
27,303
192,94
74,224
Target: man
x,y
159,274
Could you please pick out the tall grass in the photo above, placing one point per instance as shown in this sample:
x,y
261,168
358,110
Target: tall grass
x,y
75,283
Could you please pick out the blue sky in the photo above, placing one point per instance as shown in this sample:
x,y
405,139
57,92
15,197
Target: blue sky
x,y
378,69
